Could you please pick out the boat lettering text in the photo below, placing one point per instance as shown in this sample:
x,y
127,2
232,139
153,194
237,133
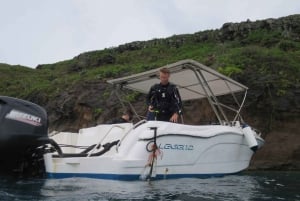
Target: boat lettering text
x,y
24,117
180,147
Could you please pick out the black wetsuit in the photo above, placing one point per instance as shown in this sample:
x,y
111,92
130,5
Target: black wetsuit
x,y
166,101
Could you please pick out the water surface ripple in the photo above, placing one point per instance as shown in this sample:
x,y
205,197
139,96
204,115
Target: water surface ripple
x,y
252,186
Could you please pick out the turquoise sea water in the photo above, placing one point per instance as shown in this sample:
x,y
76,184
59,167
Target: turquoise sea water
x,y
245,186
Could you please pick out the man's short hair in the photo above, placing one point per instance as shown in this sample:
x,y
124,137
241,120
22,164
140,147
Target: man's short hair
x,y
129,112
164,70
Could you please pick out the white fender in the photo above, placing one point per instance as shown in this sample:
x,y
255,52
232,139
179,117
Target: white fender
x,y
250,138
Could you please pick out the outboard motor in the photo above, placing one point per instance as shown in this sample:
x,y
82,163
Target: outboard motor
x,y
22,124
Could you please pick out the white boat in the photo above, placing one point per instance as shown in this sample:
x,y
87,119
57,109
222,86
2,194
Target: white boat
x,y
157,149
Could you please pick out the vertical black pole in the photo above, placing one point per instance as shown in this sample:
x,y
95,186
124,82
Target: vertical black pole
x,y
153,151
155,134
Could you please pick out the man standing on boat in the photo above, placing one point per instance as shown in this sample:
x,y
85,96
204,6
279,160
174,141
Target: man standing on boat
x,y
163,99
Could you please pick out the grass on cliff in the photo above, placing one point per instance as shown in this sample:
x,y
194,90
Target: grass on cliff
x,y
263,59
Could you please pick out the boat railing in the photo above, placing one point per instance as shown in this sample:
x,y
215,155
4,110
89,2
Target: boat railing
x,y
102,139
125,135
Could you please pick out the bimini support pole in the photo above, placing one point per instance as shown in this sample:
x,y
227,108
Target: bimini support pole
x,y
116,91
206,92
241,106
213,97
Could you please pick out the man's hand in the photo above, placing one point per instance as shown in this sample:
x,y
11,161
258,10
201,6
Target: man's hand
x,y
151,108
174,118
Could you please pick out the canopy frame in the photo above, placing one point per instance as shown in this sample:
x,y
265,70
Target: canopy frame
x,y
194,81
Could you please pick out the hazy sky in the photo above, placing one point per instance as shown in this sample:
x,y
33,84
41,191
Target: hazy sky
x,y
36,32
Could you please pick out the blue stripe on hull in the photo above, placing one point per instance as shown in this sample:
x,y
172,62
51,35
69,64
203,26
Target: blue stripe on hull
x,y
132,177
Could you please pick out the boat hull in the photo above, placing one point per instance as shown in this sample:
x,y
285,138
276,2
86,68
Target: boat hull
x,y
183,151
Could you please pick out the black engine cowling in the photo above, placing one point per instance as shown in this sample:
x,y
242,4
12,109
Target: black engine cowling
x,y
22,124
